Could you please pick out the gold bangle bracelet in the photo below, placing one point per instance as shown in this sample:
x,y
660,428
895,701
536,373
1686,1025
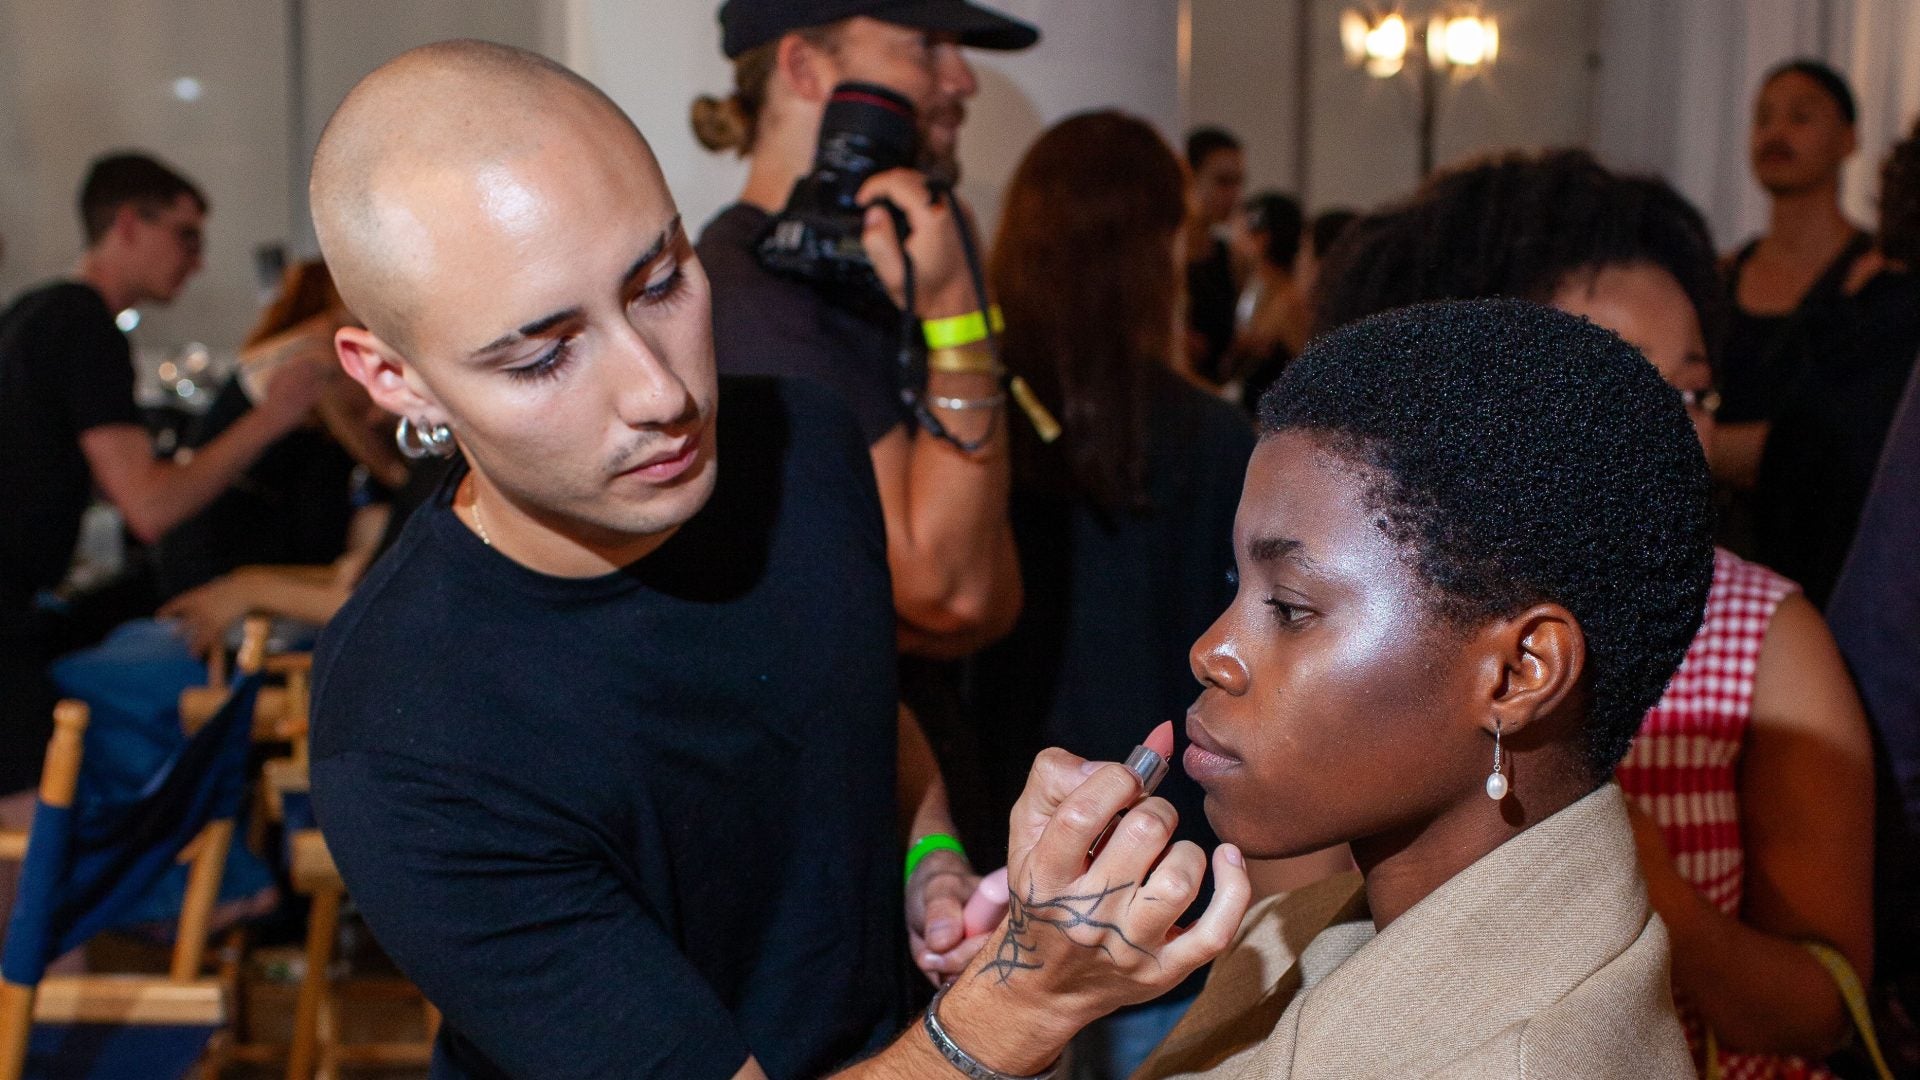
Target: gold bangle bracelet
x,y
963,360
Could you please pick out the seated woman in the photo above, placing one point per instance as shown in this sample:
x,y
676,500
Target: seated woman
x,y
294,534
1472,547
1752,777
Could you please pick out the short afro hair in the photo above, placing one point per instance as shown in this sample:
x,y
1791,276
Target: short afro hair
x,y
1521,225
1521,455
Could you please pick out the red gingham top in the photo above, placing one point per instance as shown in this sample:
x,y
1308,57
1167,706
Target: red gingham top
x,y
1683,768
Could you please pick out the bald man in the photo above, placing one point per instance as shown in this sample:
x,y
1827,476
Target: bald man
x,y
605,746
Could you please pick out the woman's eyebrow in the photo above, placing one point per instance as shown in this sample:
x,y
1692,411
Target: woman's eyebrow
x,y
1267,549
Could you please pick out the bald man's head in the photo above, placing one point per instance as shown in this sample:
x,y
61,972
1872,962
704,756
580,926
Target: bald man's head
x,y
507,237
421,128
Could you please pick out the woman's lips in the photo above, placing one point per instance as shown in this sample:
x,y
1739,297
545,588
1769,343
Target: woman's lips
x,y
1204,759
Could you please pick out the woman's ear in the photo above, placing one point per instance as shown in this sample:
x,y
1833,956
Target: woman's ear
x,y
1535,663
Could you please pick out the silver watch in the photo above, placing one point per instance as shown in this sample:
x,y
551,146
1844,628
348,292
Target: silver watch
x,y
964,1061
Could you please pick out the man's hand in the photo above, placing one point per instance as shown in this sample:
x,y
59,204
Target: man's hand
x,y
942,285
937,898
1082,938
206,612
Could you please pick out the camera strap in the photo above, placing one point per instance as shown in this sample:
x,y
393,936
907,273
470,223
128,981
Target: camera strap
x,y
911,361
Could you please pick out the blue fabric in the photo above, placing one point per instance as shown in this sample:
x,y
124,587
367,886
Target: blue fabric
x,y
30,929
131,683
104,856
109,1052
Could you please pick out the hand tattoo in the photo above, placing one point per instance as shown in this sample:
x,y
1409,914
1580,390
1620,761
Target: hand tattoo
x,y
1019,952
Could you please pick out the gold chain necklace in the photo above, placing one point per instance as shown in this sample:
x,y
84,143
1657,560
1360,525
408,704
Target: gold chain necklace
x,y
479,525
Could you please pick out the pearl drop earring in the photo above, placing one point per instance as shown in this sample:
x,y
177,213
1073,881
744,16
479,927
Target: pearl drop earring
x,y
1496,780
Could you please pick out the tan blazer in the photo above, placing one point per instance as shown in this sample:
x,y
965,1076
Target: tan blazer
x,y
1540,960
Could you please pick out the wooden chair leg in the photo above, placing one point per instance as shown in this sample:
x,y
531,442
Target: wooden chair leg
x,y
16,1026
323,924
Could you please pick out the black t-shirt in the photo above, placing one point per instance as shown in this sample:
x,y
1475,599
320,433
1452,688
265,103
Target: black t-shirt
x,y
64,368
1114,601
641,824
291,507
765,324
1211,300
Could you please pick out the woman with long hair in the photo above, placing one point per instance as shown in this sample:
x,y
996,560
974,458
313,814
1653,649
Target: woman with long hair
x,y
1124,524
295,533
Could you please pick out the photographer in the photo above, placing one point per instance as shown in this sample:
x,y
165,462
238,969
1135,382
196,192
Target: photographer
x,y
955,578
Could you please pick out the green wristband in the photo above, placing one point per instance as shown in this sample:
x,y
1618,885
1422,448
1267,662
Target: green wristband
x,y
929,844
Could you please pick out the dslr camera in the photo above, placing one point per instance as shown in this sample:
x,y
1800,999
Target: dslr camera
x,y
867,129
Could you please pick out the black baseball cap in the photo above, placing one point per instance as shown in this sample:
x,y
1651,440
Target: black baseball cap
x,y
745,24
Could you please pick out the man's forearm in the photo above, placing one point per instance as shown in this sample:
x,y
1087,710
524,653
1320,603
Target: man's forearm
x,y
173,492
923,793
957,578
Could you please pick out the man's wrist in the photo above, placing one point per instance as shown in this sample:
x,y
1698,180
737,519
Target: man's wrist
x,y
994,1028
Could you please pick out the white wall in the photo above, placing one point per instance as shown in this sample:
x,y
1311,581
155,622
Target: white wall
x,y
655,58
79,78
1362,143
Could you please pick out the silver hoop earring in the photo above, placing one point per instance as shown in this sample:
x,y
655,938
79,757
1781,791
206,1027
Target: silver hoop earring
x,y
1496,780
417,441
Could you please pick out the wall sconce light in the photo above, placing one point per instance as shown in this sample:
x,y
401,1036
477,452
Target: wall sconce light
x,y
1376,43
1459,41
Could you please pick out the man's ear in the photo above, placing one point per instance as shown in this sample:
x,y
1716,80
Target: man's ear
x,y
805,67
379,367
1535,661
126,223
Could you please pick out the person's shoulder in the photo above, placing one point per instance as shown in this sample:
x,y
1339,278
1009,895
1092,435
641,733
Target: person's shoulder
x,y
1741,582
809,418
381,634
68,301
725,248
799,402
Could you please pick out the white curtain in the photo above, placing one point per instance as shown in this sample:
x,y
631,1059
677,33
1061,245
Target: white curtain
x,y
1677,82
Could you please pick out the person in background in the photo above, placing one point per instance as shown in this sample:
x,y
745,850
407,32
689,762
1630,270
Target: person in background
x,y
69,424
1784,282
1219,168
294,535
956,581
1875,612
1752,776
1273,319
1321,234
1125,524
955,577
1825,437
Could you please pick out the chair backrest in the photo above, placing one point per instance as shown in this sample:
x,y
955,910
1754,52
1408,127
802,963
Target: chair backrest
x,y
85,866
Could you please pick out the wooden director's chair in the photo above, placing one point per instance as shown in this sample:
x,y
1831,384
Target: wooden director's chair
x,y
78,877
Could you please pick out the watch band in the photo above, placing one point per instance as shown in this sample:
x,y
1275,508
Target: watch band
x,y
964,1061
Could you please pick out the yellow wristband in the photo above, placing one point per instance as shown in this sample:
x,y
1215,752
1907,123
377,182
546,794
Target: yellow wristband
x,y
962,360
961,329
